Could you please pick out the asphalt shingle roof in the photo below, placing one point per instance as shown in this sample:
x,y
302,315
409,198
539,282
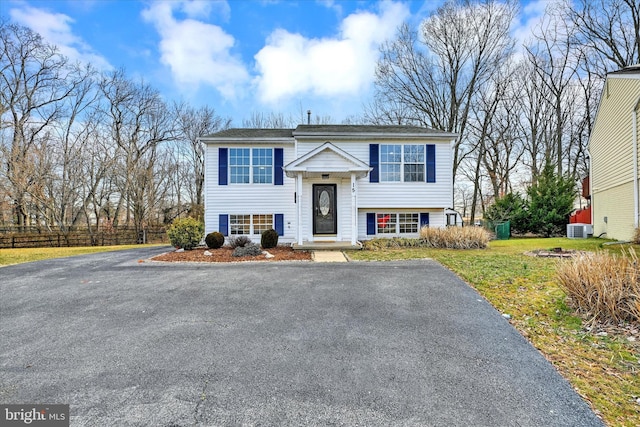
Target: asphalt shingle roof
x,y
240,133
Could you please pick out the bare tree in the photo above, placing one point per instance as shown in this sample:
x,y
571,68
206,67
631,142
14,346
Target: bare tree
x,y
194,124
139,122
34,80
555,63
433,75
608,31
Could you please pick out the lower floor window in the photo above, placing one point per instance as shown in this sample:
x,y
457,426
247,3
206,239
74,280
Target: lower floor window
x,y
250,224
396,223
408,223
386,223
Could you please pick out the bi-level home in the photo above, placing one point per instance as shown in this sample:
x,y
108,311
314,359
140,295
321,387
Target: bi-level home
x,y
614,153
328,183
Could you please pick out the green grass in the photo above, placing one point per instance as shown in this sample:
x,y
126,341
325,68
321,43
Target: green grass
x,y
603,369
18,256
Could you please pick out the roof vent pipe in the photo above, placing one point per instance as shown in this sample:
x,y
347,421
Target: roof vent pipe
x,y
308,117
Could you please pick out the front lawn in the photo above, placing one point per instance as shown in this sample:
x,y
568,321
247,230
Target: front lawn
x,y
602,364
17,256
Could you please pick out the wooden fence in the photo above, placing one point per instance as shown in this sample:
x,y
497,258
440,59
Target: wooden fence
x,y
81,238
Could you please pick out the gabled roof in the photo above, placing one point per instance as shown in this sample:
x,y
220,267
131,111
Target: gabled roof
x,y
249,134
333,160
369,131
632,71
325,131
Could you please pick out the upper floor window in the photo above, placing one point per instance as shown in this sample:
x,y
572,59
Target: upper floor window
x,y
262,165
251,165
402,163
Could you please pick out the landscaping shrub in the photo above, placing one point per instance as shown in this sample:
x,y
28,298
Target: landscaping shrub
x,y
248,250
551,201
454,237
636,236
444,238
511,207
604,287
239,241
214,240
185,233
269,239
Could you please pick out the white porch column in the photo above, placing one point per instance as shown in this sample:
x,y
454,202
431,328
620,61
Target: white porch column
x,y
354,209
299,207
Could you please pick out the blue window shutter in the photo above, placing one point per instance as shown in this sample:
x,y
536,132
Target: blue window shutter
x,y
374,161
371,223
278,160
424,219
431,163
279,223
223,161
224,224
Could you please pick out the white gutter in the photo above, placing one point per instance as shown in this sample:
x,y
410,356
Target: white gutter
x,y
636,196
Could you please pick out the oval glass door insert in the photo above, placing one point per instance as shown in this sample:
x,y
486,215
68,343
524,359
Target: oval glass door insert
x,y
324,203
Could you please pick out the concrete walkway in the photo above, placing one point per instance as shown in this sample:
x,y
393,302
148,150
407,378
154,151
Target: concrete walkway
x,y
328,256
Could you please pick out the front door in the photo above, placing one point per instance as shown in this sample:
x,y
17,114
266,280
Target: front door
x,y
324,209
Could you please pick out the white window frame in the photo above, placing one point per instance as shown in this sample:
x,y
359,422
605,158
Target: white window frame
x,y
385,174
252,166
397,220
257,223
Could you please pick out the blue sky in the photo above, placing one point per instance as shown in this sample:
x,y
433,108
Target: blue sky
x,y
237,56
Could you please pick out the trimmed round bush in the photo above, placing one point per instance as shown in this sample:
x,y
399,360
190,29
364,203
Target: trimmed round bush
x,y
214,240
249,250
185,233
269,239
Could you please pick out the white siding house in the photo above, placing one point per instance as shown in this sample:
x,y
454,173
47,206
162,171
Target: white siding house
x,y
328,183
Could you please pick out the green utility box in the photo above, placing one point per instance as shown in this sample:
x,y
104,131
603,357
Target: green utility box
x,y
503,230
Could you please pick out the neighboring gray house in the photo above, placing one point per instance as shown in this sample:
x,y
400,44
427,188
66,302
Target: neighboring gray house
x,y
328,183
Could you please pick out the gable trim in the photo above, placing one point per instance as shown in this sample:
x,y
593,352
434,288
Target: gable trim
x,y
353,165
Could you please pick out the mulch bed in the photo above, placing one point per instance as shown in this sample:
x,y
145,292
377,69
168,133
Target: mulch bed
x,y
280,253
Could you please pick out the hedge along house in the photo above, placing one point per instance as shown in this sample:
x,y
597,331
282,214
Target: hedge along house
x,y
328,183
613,151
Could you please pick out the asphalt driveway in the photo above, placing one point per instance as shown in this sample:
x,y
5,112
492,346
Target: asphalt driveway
x,y
126,343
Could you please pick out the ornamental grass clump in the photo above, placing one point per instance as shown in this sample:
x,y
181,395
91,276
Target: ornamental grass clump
x,y
185,233
239,241
605,288
454,237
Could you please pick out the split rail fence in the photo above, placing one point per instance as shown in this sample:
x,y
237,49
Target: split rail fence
x,y
47,239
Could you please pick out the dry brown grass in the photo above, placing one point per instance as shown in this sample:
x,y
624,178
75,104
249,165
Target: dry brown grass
x,y
605,287
455,237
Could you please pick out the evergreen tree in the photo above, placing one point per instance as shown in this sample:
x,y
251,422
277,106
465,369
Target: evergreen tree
x,y
511,207
550,203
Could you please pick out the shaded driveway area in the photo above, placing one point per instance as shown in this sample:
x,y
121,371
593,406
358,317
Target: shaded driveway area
x,y
131,342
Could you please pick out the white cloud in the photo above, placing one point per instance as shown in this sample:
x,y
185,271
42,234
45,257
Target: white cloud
x,y
55,28
531,17
196,52
291,64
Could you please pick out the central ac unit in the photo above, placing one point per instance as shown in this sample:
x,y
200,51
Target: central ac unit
x,y
579,231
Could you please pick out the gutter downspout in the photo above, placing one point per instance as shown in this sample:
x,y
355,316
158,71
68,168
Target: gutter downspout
x,y
636,196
